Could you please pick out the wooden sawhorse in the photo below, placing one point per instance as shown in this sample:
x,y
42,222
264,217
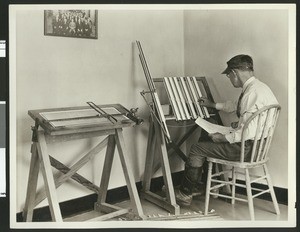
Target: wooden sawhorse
x,y
41,160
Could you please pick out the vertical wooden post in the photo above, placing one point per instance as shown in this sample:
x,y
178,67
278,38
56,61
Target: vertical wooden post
x,y
233,185
270,185
208,184
160,140
109,156
149,157
134,197
32,184
249,194
48,178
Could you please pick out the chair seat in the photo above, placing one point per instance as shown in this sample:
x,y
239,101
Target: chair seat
x,y
237,163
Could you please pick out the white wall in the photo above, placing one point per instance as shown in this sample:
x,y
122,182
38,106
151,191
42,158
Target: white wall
x,y
60,72
212,37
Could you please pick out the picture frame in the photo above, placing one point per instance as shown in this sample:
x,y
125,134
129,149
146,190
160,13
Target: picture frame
x,y
71,23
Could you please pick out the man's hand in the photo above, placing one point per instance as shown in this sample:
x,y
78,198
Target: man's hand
x,y
218,138
205,102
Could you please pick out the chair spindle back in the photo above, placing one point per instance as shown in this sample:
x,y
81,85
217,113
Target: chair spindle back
x,y
265,120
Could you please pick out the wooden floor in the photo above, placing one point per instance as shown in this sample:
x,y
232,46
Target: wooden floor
x,y
264,210
220,210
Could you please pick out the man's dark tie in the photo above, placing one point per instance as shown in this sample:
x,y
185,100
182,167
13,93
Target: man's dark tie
x,y
238,110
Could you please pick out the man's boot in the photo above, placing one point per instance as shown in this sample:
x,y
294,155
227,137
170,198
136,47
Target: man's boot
x,y
184,194
199,189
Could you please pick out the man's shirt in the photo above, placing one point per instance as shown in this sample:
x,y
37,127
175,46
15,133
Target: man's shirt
x,y
256,95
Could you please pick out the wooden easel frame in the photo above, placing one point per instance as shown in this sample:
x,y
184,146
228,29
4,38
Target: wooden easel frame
x,y
159,142
158,128
41,160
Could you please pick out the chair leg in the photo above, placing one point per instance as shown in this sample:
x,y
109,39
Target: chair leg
x,y
208,184
249,194
270,185
233,186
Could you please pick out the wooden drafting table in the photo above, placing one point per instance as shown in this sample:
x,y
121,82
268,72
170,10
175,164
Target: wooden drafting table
x,y
65,124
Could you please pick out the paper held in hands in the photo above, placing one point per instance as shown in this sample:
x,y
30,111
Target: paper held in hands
x,y
213,128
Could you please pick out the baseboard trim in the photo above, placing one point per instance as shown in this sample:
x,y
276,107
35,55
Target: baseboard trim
x,y
86,203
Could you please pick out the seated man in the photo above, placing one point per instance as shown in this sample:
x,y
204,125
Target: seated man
x,y
254,96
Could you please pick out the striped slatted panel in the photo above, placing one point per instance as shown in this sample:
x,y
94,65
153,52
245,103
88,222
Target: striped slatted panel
x,y
188,98
199,94
182,97
172,98
177,98
192,92
184,93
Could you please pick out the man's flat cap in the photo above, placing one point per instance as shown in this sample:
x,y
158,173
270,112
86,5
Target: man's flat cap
x,y
242,62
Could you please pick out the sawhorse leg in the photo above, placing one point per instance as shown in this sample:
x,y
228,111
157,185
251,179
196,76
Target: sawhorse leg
x,y
32,184
166,170
117,140
48,178
156,140
149,158
40,159
128,174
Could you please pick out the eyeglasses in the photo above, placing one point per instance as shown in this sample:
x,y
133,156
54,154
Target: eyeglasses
x,y
227,75
231,70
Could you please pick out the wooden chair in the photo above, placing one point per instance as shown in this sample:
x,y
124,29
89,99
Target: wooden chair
x,y
265,119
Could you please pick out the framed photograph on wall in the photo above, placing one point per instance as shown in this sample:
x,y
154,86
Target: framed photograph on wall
x,y
71,23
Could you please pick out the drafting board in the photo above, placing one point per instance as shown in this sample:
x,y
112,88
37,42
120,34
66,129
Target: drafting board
x,y
80,117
